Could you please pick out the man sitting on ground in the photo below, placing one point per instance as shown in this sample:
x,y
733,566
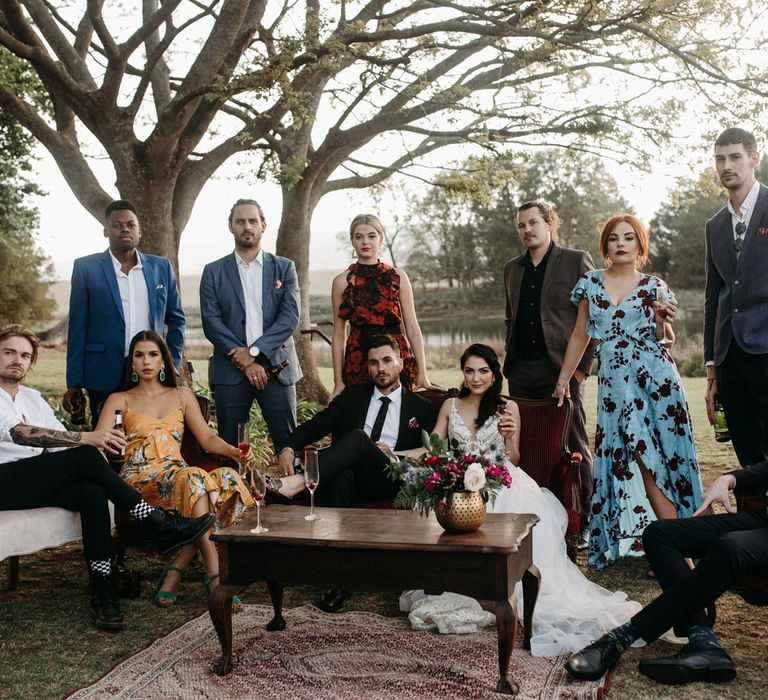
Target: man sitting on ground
x,y
77,479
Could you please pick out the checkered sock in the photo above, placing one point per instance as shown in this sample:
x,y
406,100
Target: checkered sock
x,y
623,636
141,510
702,636
100,567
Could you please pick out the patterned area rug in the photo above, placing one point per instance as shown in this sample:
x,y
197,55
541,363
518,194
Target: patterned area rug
x,y
345,656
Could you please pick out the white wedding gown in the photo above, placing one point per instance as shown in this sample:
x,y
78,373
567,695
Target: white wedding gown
x,y
571,611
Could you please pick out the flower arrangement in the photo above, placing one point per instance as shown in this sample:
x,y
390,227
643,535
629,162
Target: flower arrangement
x,y
429,482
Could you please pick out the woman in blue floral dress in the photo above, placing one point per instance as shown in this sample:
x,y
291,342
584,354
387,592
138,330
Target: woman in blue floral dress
x,y
645,464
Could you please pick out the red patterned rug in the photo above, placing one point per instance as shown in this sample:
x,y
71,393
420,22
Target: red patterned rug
x,y
345,656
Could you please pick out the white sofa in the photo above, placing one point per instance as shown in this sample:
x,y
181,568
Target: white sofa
x,y
28,531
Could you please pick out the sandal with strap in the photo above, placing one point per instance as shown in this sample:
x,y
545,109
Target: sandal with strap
x,y
273,495
237,604
164,599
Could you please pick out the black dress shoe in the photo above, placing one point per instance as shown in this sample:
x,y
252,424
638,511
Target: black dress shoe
x,y
172,531
333,599
105,609
691,663
593,660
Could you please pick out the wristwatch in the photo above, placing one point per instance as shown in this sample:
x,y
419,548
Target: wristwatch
x,y
253,351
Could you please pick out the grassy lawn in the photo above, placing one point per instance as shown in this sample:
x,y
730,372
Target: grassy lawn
x,y
48,647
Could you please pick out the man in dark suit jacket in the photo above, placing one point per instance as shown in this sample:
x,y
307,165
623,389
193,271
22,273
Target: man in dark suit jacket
x,y
726,546
114,295
539,321
383,412
736,298
364,420
249,304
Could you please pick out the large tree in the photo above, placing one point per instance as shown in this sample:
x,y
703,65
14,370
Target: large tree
x,y
171,90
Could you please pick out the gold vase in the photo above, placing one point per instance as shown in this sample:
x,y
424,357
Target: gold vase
x,y
465,512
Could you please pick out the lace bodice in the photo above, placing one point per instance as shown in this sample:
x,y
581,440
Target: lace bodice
x,y
487,440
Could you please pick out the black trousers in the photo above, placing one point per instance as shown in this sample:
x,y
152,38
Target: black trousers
x,y
535,379
727,546
78,479
352,471
742,383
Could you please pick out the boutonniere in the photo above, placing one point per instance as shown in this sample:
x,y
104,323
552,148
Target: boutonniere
x,y
159,285
762,232
413,423
278,284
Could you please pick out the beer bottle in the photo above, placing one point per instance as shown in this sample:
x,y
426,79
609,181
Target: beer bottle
x,y
119,458
274,370
722,434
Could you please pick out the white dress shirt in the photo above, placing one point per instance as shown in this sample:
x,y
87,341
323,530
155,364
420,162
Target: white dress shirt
x,y
134,297
747,207
29,408
251,275
392,422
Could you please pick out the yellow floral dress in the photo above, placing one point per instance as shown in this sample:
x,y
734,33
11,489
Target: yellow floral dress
x,y
154,466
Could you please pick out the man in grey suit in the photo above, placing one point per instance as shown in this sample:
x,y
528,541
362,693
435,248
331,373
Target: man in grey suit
x,y
249,303
736,298
539,320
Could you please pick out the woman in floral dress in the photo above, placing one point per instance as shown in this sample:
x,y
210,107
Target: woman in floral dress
x,y
375,299
645,464
155,412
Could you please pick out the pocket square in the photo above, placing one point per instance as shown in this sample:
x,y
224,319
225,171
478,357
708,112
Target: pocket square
x,y
762,232
278,284
159,285
413,423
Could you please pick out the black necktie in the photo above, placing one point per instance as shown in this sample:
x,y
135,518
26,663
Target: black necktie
x,y
381,416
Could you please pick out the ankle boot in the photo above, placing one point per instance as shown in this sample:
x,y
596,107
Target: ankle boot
x,y
172,531
105,609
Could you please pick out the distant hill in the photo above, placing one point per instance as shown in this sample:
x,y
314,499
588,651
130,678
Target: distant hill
x,y
319,284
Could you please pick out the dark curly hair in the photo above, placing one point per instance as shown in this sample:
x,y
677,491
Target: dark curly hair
x,y
491,397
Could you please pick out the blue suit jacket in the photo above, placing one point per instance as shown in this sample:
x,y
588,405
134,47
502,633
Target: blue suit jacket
x,y
96,336
222,308
736,292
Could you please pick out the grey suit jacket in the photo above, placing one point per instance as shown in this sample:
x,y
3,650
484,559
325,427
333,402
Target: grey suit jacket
x,y
222,307
736,292
558,315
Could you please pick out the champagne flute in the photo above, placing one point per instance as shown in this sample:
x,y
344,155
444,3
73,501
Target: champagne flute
x,y
243,442
258,484
501,409
311,479
662,294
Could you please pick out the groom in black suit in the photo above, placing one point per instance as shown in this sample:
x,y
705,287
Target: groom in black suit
x,y
383,412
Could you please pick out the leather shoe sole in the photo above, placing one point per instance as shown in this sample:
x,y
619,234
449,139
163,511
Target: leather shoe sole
x,y
333,600
691,664
593,660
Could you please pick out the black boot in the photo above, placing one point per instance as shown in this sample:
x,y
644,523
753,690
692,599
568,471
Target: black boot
x,y
105,609
172,531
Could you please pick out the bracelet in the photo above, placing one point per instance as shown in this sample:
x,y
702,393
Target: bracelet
x,y
293,452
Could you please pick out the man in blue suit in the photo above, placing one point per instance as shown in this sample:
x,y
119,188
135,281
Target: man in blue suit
x,y
249,303
736,298
114,295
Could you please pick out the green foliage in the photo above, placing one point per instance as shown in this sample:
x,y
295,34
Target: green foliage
x,y
24,295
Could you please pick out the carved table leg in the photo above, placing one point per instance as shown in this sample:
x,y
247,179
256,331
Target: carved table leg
x,y
220,610
277,623
531,582
506,627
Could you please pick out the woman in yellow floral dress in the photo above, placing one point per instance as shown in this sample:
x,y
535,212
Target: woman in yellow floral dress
x,y
155,412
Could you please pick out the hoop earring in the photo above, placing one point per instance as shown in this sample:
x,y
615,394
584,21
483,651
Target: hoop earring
x,y
162,374
134,377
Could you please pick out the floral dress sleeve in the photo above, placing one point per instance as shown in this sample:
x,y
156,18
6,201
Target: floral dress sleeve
x,y
580,291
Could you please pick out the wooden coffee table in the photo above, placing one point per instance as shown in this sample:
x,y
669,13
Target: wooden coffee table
x,y
370,550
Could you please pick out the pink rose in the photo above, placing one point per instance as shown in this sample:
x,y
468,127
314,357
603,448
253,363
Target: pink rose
x,y
474,478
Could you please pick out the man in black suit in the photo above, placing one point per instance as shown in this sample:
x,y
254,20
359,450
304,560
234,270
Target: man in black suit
x,y
736,298
382,411
726,546
363,420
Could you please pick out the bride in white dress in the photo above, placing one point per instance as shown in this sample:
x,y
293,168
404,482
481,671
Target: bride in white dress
x,y
571,611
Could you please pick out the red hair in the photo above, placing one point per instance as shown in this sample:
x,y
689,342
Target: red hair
x,y
640,231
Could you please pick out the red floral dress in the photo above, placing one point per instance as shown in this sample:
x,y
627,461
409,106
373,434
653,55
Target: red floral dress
x,y
371,304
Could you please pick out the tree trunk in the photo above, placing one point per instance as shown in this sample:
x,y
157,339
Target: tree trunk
x,y
293,243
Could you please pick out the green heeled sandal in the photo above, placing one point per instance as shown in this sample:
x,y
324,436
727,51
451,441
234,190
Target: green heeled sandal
x,y
161,596
237,604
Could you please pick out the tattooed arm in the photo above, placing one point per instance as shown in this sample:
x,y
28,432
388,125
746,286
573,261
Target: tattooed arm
x,y
32,436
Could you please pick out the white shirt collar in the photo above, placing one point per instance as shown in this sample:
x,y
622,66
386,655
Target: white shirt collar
x,y
748,205
395,396
258,259
119,266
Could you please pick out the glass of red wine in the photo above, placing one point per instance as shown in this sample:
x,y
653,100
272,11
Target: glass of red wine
x,y
311,479
244,442
501,409
258,484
